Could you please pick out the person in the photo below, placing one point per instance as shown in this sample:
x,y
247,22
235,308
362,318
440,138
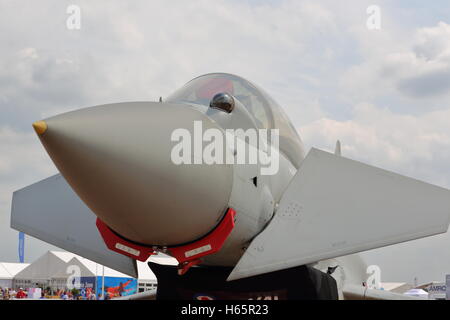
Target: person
x,y
6,294
21,294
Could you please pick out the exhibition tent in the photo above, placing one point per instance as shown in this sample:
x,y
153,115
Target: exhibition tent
x,y
8,271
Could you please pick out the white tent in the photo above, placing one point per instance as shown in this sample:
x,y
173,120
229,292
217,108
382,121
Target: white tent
x,y
84,268
51,269
88,268
8,271
146,278
40,272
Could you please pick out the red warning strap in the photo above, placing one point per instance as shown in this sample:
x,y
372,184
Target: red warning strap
x,y
116,243
210,244
187,255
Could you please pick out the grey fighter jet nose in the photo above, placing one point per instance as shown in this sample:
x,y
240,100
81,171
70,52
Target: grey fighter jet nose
x,y
118,159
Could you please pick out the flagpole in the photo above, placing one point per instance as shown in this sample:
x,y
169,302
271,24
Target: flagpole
x,y
103,283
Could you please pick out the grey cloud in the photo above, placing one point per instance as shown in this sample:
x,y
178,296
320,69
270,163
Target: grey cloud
x,y
431,84
411,71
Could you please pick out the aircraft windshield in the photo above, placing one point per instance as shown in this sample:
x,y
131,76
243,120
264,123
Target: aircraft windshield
x,y
266,112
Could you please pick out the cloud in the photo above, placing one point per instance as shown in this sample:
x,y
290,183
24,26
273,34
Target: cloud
x,y
32,81
140,51
433,43
418,146
427,84
417,68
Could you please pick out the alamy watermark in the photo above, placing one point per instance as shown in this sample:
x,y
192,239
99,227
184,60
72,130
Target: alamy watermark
x,y
73,22
374,20
374,279
73,280
231,146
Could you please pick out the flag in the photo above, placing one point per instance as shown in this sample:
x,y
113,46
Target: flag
x,y
21,247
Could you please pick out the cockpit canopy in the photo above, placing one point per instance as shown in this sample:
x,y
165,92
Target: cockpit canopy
x,y
266,112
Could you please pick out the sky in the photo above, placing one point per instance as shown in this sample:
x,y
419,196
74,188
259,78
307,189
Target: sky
x,y
384,93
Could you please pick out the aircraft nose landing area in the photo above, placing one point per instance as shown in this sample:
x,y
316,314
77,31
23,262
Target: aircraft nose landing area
x,y
117,158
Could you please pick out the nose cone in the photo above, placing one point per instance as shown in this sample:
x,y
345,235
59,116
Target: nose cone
x,y
117,158
40,127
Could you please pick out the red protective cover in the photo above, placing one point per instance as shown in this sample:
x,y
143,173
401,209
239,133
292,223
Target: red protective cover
x,y
187,255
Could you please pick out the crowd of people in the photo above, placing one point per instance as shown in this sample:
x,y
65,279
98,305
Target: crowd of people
x,y
8,293
87,294
84,294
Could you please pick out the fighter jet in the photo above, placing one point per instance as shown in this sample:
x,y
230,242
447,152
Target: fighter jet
x,y
216,175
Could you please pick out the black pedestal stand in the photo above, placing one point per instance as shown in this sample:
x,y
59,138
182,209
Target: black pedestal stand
x,y
209,283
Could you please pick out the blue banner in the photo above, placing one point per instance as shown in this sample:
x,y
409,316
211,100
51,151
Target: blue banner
x,y
21,247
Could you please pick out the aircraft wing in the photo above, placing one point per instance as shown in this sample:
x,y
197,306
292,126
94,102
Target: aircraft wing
x,y
335,206
356,292
51,211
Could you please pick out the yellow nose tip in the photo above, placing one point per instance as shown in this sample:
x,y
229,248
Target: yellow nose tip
x,y
40,127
